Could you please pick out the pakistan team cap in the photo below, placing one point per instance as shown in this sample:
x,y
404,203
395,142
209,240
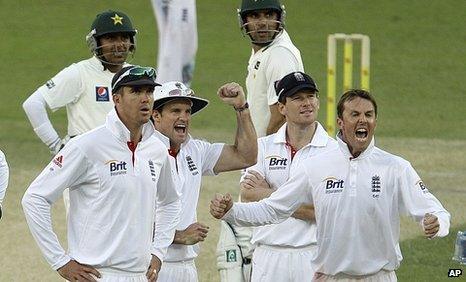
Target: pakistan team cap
x,y
134,76
112,21
292,83
176,90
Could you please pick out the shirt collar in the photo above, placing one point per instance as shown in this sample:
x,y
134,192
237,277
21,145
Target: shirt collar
x,y
345,150
166,141
320,138
121,132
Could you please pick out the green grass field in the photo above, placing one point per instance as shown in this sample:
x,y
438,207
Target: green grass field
x,y
417,74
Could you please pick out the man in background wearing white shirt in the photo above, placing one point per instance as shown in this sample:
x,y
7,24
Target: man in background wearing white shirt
x,y
120,179
84,87
359,192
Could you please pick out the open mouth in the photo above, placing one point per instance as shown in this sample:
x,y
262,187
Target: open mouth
x,y
180,128
361,133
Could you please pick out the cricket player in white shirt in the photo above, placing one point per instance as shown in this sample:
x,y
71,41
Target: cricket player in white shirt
x,y
273,56
173,108
177,39
284,251
84,87
359,192
4,175
120,179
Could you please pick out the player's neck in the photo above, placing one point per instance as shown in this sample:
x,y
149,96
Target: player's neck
x,y
299,136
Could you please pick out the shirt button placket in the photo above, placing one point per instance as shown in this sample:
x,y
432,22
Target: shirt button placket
x,y
352,178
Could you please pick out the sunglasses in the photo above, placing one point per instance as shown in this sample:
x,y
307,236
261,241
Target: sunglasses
x,y
181,92
138,72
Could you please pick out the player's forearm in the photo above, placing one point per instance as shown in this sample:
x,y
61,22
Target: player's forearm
x,y
305,212
255,194
37,212
275,122
246,138
179,238
36,111
168,215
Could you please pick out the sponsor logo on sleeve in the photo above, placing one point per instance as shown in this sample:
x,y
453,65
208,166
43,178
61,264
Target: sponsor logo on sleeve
x,y
58,161
375,183
276,162
50,84
422,186
231,255
116,167
102,94
333,185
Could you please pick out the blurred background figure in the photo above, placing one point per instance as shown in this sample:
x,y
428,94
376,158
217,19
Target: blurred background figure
x,y
177,27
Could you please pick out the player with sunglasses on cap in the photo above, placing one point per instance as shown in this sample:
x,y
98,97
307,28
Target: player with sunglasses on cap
x,y
120,180
173,108
84,87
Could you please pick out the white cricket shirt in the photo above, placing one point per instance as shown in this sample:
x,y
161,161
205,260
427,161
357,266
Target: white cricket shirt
x,y
275,164
358,203
267,65
194,159
85,89
112,200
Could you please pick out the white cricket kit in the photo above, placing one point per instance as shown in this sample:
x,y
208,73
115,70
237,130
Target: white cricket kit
x,y
194,159
113,197
269,64
177,29
4,175
85,89
358,202
293,240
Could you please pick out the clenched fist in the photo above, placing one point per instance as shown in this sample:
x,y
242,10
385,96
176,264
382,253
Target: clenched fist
x,y
232,94
220,205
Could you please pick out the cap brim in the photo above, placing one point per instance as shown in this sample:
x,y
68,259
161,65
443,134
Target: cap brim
x,y
297,88
198,103
140,82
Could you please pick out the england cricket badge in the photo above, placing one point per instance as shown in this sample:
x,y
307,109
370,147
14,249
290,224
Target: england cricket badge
x,y
375,183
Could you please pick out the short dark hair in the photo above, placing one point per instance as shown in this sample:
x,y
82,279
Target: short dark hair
x,y
350,95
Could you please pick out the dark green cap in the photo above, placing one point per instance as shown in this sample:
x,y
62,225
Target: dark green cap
x,y
112,22
254,5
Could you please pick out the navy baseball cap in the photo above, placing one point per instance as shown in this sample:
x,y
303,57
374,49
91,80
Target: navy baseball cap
x,y
134,76
293,82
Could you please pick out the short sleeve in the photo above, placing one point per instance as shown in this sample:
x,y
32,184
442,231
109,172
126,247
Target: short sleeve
x,y
63,88
281,62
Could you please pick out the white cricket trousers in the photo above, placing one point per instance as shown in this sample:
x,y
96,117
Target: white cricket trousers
x,y
271,263
381,276
177,39
181,271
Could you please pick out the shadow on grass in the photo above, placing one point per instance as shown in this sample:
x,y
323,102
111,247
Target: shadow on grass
x,y
429,260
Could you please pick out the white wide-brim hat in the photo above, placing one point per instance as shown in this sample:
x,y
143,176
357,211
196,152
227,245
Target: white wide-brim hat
x,y
176,90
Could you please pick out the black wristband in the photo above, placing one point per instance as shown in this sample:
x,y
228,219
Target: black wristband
x,y
244,107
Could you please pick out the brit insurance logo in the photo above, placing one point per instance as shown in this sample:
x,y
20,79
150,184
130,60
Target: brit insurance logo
x,y
333,185
276,162
102,94
191,165
375,184
422,186
117,167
